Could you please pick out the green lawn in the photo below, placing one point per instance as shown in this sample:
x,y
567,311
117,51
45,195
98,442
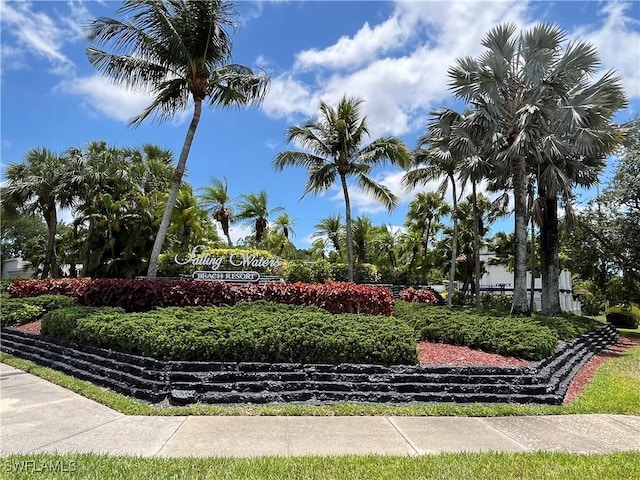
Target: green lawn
x,y
614,390
494,466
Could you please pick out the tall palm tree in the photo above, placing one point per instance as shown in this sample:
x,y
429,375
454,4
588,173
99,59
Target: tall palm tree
x,y
573,153
516,86
435,158
331,228
253,208
179,50
43,182
216,200
334,151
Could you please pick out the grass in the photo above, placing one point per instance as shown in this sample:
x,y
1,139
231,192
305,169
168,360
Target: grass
x,y
614,390
494,466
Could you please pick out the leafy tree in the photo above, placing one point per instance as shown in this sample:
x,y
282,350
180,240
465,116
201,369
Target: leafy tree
x,y
121,195
606,242
179,50
43,182
334,151
22,235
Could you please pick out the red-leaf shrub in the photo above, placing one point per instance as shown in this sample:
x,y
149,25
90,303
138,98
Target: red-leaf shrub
x,y
71,287
143,295
415,295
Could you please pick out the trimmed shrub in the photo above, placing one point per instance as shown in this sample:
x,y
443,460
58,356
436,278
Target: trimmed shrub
x,y
516,336
18,311
255,332
499,304
362,272
624,316
416,295
298,272
321,271
567,326
62,323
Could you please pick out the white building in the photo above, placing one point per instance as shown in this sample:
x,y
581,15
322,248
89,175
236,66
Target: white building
x,y
16,268
499,280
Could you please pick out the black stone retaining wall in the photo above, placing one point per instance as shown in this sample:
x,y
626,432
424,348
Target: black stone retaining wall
x,y
181,383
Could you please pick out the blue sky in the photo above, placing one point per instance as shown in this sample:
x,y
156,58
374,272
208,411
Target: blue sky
x,y
393,55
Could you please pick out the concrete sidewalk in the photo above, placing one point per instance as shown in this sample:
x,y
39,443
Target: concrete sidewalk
x,y
37,416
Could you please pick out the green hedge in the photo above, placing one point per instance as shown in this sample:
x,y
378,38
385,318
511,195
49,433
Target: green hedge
x,y
624,316
18,311
516,336
246,332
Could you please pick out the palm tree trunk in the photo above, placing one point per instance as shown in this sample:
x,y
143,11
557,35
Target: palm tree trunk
x,y
549,258
520,305
347,204
454,245
532,293
175,188
225,228
476,247
50,266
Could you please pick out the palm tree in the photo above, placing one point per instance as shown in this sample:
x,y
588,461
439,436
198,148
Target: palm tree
x,y
43,182
362,231
573,154
423,217
283,227
441,159
331,228
253,208
190,221
333,151
283,224
179,50
516,87
217,201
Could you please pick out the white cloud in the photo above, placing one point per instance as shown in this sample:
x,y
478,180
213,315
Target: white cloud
x,y
288,97
237,232
399,78
365,45
399,66
617,41
111,100
36,33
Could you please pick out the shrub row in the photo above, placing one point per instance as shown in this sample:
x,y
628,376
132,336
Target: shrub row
x,y
519,337
624,316
255,332
17,311
48,286
144,295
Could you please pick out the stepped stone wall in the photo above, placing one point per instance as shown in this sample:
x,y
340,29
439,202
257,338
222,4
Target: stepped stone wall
x,y
182,383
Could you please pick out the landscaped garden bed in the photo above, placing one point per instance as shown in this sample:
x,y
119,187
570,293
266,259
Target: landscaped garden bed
x,y
267,351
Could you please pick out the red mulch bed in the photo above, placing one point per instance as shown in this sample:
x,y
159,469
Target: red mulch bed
x,y
444,354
